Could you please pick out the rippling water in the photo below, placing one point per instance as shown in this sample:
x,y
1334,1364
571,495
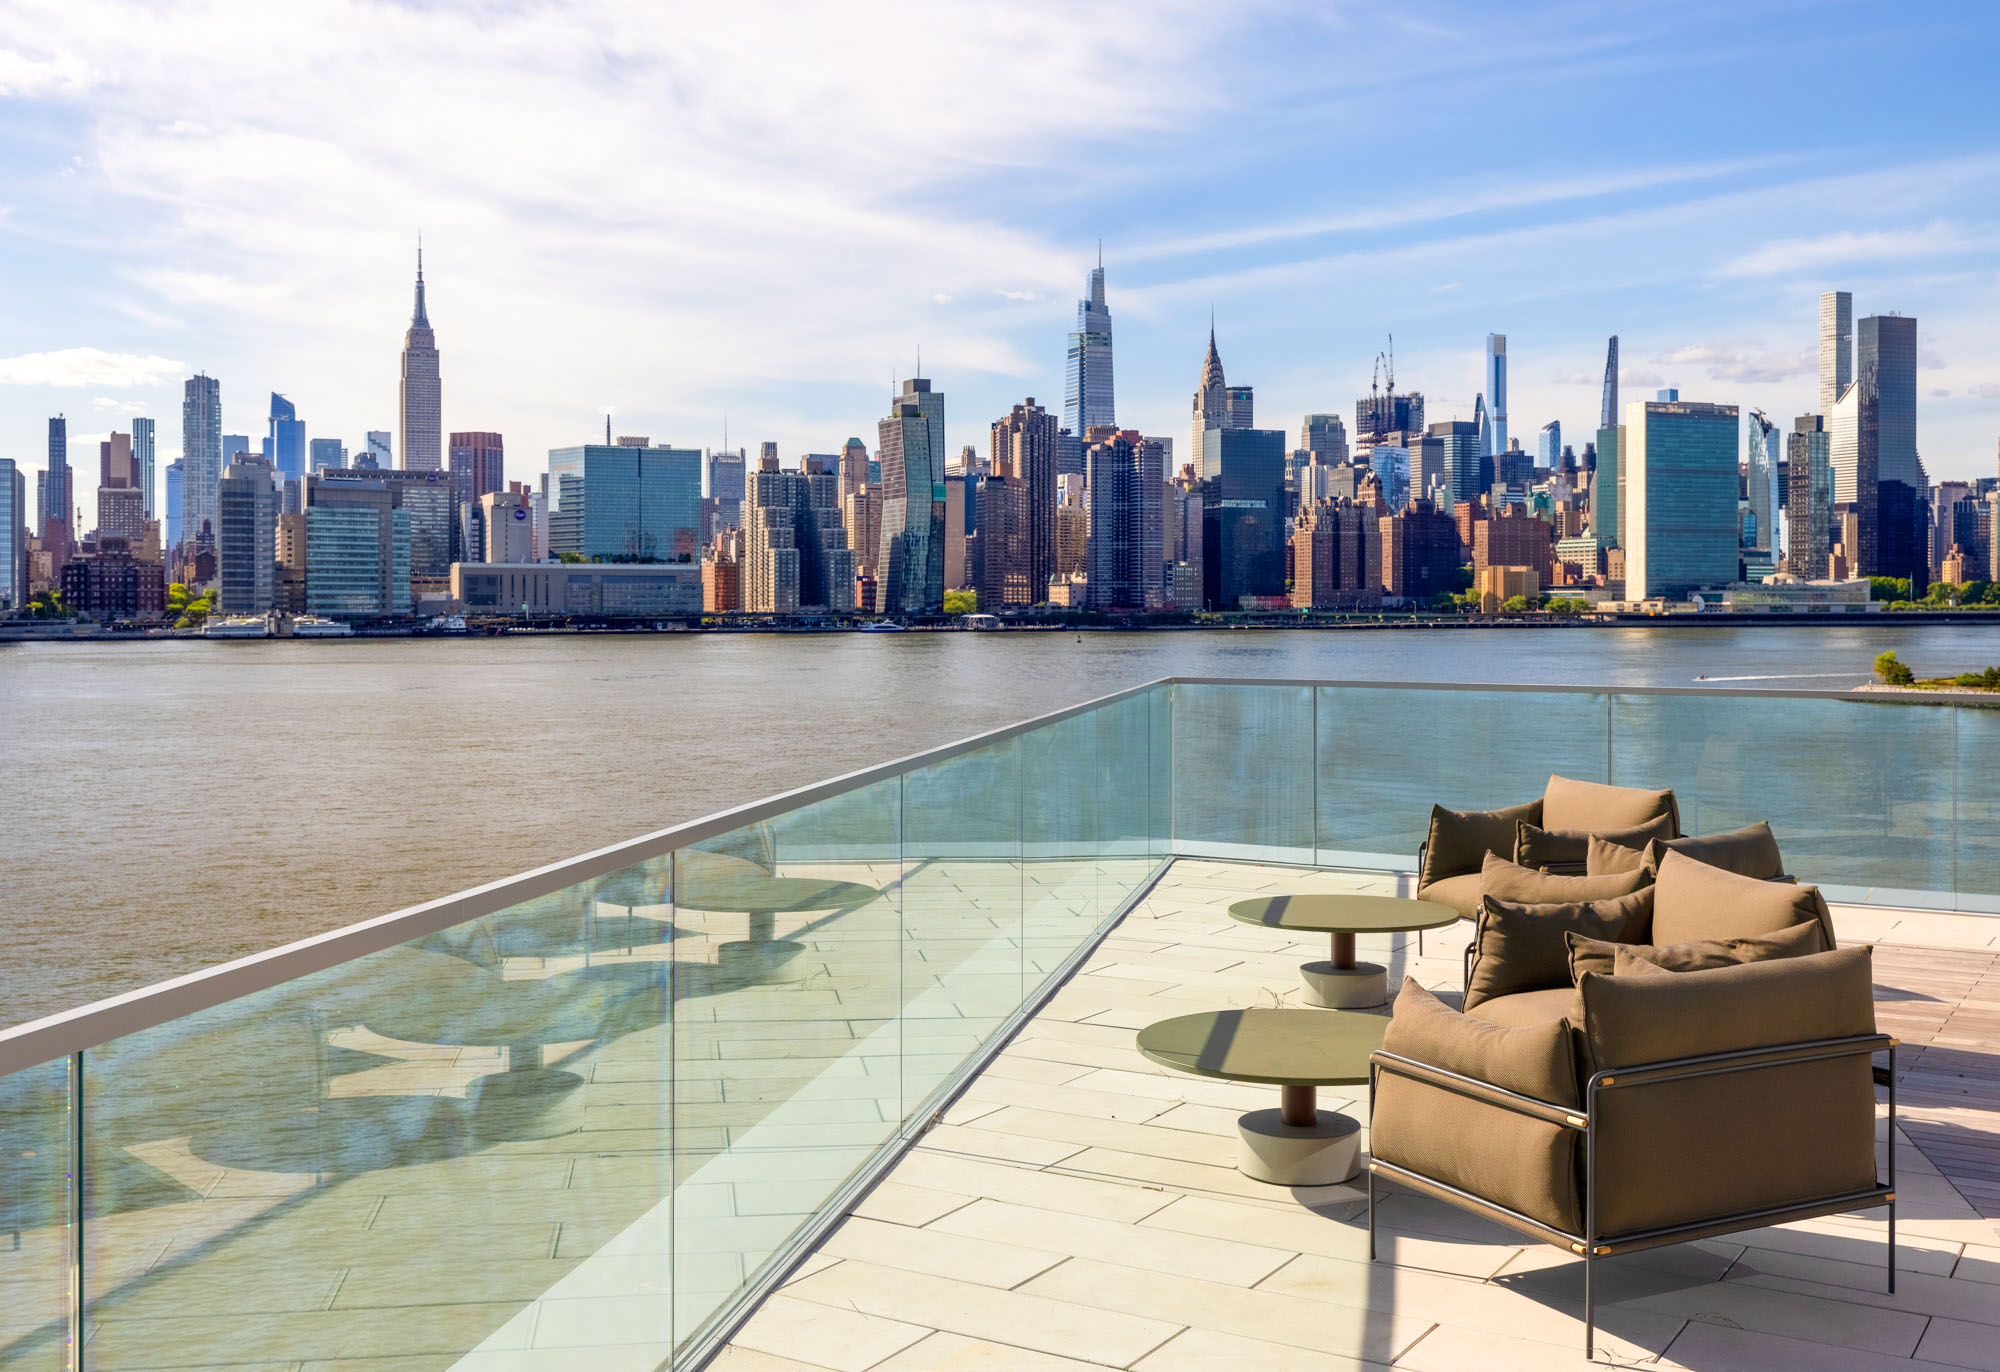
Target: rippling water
x,y
169,805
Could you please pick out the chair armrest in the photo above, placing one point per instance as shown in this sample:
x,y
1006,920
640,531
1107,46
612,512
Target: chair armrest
x,y
1741,1060
1474,1089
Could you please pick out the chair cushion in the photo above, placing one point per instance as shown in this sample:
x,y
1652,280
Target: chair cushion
x,y
1751,851
1511,881
1568,850
1694,902
1461,892
1527,1008
1594,955
1461,839
1513,1160
1590,806
1521,947
1603,857
1688,1151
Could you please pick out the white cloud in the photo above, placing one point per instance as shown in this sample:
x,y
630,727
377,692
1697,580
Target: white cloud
x,y
1785,255
1019,295
941,298
1743,365
87,367
26,76
115,406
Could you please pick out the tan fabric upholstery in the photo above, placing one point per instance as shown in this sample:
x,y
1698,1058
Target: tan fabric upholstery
x,y
1751,851
1595,955
1461,839
1461,892
1567,850
1529,1008
1694,902
1521,947
1602,857
1592,807
1509,1159
1681,1152
1511,881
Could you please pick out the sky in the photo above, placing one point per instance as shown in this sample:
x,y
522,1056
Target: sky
x,y
760,214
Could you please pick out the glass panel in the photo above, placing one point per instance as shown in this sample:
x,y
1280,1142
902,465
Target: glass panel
x,y
1243,772
1124,785
34,1218
1858,792
1977,810
1387,756
1060,817
1160,786
787,1032
962,911
456,1145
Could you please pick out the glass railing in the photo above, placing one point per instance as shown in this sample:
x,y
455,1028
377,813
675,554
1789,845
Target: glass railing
x,y
588,1116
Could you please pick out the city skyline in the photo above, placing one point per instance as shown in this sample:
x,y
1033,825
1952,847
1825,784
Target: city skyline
x,y
1706,253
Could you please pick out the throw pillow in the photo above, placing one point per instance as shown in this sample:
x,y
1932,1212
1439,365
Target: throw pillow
x,y
1522,947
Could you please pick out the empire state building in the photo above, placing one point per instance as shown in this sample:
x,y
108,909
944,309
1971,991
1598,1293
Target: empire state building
x,y
421,407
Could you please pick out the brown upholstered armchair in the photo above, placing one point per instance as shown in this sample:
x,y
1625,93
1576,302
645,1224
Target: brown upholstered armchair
x,y
1672,1065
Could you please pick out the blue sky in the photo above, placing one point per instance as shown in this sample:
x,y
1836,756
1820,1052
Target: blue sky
x,y
768,209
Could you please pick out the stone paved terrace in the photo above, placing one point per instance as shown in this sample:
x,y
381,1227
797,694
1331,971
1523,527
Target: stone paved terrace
x,y
1078,1207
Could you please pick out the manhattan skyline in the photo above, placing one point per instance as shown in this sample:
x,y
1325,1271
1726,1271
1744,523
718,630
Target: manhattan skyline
x,y
157,229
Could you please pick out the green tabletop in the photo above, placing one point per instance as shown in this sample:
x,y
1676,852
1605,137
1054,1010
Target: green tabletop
x,y
1279,1047
1344,914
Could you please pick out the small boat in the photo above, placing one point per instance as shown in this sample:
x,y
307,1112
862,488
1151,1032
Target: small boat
x,y
317,626
238,626
883,626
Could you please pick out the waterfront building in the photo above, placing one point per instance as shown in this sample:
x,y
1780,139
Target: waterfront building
x,y
1023,446
121,511
1087,389
909,567
625,502
201,453
176,480
959,489
1419,552
144,463
1243,516
1496,392
1337,556
1608,412
507,522
1000,548
1549,451
586,591
322,453
246,537
795,553
1681,486
1124,471
1497,585
357,546
285,443
1836,334
291,563
722,575
1607,488
1324,437
421,408
13,537
113,583
427,499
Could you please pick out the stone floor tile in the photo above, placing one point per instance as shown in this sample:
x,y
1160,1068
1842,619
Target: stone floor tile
x,y
1705,1346
1004,1145
1454,1348
1205,1350
948,1352
946,1250
824,1335
1142,1246
1026,1186
900,1203
1309,1231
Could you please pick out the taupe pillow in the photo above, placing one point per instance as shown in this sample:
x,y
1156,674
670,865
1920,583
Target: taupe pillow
x,y
1594,955
1461,839
1523,947
1512,881
1602,857
1532,1060
1694,902
1750,851
1751,1005
1591,806
1568,850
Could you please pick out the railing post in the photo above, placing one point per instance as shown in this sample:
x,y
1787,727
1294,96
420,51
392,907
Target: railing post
x,y
76,1180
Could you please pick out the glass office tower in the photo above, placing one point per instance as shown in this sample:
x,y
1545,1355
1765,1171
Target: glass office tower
x,y
1680,457
1242,515
638,504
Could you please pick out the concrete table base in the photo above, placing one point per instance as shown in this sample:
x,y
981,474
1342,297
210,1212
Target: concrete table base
x,y
1322,1153
1336,988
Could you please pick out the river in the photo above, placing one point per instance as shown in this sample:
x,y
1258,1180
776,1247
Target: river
x,y
173,804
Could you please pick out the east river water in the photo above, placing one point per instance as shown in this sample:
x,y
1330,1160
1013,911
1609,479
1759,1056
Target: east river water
x,y
173,804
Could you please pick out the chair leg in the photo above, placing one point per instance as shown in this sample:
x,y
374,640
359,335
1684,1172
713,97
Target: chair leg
x,y
1892,1248
1589,1306
1371,1216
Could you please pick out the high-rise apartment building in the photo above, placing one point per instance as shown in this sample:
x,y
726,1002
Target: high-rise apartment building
x,y
1388,412
1023,452
1809,513
175,483
909,568
1760,487
357,548
246,537
1885,367
795,553
291,562
1393,468
1608,413
421,406
1607,488
1337,556
56,524
1512,537
1681,485
144,461
1467,468
625,503
1087,389
1496,392
1243,516
1324,437
853,468
1549,446
13,537
1836,361
1419,553
478,466
1124,471
201,453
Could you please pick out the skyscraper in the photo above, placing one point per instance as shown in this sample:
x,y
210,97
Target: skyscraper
x,y
1087,390
1482,425
1125,473
1607,488
1836,363
176,478
246,537
1760,484
143,460
1211,395
1607,417
1243,515
1023,454
13,537
478,463
1325,437
1381,413
1885,367
1468,469
1809,516
285,444
357,548
377,453
421,406
1549,446
625,502
1680,456
322,453
909,568
58,514
201,453
1496,392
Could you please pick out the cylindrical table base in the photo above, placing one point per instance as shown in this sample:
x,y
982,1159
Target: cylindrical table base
x,y
1338,988
1322,1153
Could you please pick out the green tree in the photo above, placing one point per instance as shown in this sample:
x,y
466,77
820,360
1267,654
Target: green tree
x,y
50,605
1892,672
1564,605
570,557
1888,588
1519,604
961,602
